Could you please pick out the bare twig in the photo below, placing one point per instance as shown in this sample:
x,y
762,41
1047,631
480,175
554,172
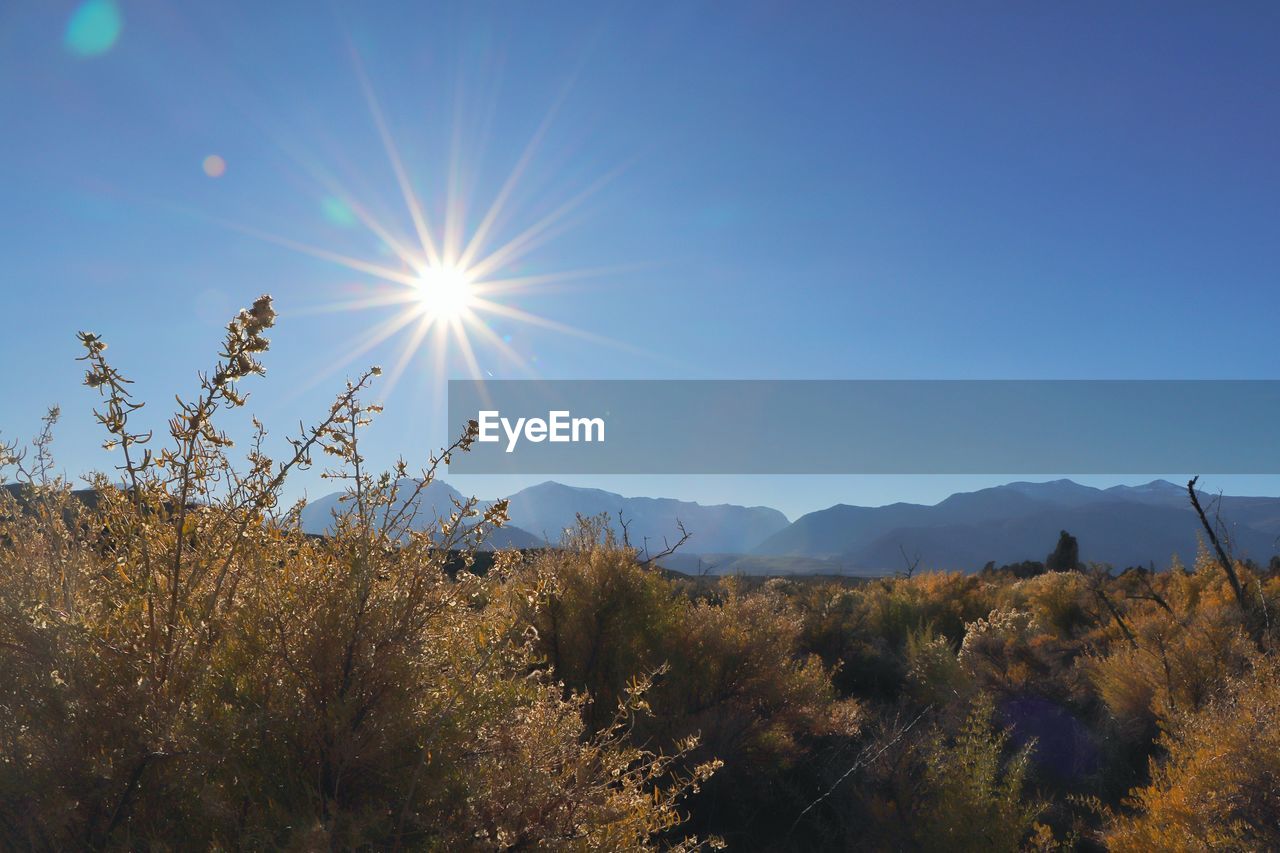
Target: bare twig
x,y
1097,584
668,548
864,759
911,563
1227,565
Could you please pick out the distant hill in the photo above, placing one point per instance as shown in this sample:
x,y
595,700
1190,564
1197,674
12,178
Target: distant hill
x,y
547,509
434,502
540,514
695,565
1122,526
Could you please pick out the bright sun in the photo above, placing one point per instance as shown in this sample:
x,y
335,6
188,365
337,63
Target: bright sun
x,y
445,291
452,287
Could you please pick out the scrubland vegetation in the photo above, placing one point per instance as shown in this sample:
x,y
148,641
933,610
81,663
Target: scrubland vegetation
x,y
182,667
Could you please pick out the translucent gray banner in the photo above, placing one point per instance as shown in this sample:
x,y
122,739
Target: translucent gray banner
x,y
868,427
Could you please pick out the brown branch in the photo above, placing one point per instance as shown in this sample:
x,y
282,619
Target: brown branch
x,y
668,549
865,758
1228,567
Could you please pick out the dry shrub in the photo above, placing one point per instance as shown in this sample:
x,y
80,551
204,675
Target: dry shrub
x,y
601,617
956,786
182,666
945,601
731,671
739,677
1059,601
1186,642
1003,650
935,675
864,632
1217,787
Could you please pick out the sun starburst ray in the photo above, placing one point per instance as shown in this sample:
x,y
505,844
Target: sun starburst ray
x,y
383,299
536,234
493,340
520,284
346,355
445,289
464,345
377,270
398,248
469,356
481,234
512,313
397,165
455,199
408,351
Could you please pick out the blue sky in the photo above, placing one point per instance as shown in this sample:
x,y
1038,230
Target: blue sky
x,y
763,190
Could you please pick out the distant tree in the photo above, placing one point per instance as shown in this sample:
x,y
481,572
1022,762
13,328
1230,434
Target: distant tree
x,y
1020,571
1026,569
1066,556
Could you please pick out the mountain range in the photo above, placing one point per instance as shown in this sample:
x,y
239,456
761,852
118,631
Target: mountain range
x,y
539,515
1120,526
437,500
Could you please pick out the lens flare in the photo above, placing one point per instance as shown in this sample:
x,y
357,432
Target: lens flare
x,y
337,212
93,29
215,166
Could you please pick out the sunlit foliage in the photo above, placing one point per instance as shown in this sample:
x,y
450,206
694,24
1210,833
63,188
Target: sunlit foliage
x,y
182,667
1216,790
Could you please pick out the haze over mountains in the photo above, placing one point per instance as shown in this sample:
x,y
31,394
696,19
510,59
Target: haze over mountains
x,y
437,500
548,508
540,514
1121,526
